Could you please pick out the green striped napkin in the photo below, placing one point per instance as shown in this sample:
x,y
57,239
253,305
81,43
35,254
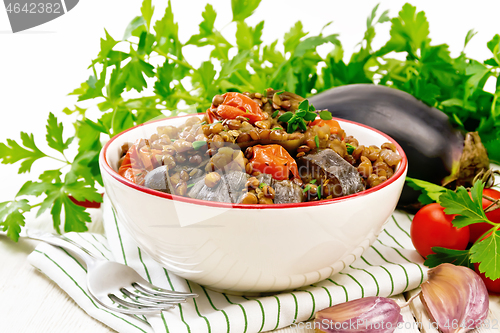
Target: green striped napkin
x,y
389,267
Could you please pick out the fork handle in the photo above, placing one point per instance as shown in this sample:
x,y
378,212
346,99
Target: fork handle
x,y
66,243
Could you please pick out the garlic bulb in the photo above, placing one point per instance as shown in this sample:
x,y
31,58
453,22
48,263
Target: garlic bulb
x,y
455,298
369,314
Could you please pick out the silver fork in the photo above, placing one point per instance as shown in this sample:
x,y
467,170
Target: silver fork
x,y
111,283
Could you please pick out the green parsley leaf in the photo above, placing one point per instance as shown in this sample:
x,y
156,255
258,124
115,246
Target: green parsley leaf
x,y
198,144
325,115
293,37
408,31
135,27
487,253
312,181
350,148
469,210
304,105
471,33
55,135
261,185
279,92
430,192
302,124
147,12
135,71
300,113
107,45
316,139
13,152
276,129
275,113
285,117
310,116
243,8
190,185
292,127
12,218
443,255
244,38
307,188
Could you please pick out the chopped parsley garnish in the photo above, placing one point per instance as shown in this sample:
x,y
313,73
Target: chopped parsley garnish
x,y
304,112
262,185
307,188
190,185
325,115
275,113
312,181
316,139
350,148
198,144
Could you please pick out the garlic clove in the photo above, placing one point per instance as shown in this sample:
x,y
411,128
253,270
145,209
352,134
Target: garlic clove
x,y
369,315
455,298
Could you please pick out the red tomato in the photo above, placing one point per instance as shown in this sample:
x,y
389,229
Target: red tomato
x,y
236,104
274,160
491,285
432,227
333,124
478,229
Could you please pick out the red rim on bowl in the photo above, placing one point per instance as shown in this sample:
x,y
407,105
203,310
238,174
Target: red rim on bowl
x,y
115,175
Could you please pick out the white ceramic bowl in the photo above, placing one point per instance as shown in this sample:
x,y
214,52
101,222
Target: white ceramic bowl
x,y
250,248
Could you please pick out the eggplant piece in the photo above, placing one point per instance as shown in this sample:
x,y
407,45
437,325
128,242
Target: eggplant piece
x,y
157,179
286,191
232,187
343,178
435,150
229,189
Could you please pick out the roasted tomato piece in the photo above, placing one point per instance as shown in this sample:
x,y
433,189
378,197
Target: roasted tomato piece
x,y
135,175
274,160
333,124
236,104
137,163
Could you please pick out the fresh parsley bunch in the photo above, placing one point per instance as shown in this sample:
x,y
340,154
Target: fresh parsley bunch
x,y
153,64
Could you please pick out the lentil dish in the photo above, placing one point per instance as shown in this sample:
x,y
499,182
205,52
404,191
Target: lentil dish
x,y
255,148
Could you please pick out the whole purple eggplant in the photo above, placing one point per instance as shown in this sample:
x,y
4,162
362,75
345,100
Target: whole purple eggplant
x,y
433,147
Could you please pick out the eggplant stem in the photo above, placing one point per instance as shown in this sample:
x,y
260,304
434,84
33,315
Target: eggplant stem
x,y
410,300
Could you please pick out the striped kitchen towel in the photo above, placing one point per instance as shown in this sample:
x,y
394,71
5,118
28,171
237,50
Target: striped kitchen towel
x,y
389,267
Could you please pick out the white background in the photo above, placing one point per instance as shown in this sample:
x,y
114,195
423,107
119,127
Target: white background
x,y
39,67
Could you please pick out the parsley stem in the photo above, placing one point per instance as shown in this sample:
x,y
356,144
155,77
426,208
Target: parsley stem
x,y
58,159
112,129
177,61
189,98
37,205
494,103
239,76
